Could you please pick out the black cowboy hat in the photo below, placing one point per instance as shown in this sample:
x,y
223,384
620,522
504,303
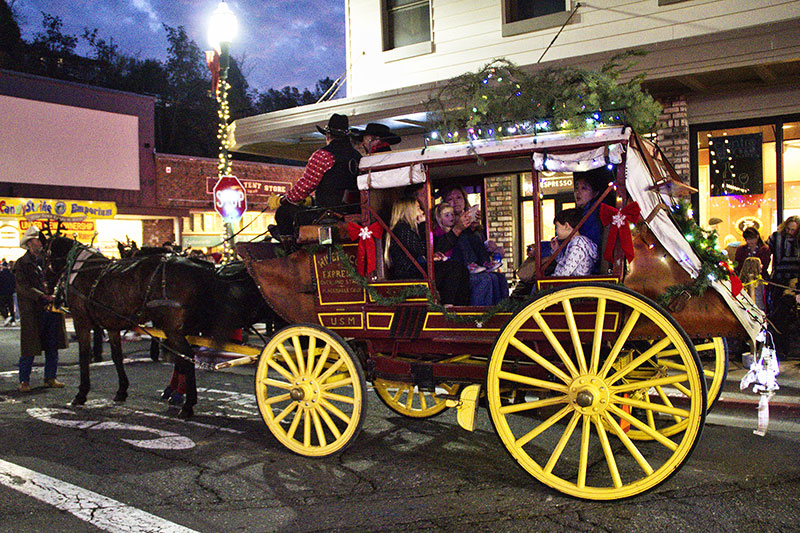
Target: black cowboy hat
x,y
379,130
338,126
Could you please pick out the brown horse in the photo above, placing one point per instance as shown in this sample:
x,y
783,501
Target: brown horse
x,y
178,295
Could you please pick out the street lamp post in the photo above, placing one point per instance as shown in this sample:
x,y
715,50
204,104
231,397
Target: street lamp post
x,y
221,33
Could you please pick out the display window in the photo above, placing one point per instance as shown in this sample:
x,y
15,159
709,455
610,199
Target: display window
x,y
748,175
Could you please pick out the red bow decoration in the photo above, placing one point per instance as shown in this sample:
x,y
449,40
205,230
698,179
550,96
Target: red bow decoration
x,y
619,220
366,235
736,283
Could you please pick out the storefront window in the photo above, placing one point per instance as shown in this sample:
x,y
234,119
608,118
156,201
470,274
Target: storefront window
x,y
556,189
791,168
737,173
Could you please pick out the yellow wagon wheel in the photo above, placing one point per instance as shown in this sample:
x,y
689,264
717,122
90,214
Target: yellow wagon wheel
x,y
310,390
714,357
571,431
714,351
409,400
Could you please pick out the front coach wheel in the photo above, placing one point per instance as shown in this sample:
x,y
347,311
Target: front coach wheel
x,y
592,377
310,390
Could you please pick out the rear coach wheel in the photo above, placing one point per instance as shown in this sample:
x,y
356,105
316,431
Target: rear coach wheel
x,y
409,400
310,390
593,386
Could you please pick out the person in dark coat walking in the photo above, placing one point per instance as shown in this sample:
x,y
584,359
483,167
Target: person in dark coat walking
x,y
41,329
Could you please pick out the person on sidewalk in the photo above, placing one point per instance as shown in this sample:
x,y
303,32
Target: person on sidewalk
x,y
41,329
7,290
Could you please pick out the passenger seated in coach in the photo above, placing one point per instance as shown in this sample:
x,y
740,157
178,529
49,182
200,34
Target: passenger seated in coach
x,y
408,225
580,254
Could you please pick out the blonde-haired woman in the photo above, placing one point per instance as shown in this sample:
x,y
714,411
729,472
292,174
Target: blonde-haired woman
x,y
451,277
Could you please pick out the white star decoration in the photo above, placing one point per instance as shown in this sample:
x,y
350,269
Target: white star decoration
x,y
365,234
618,220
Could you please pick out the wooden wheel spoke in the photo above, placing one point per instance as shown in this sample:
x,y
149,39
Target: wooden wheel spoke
x,y
321,441
667,401
637,361
331,370
306,429
295,422
323,357
329,422
554,342
533,382
299,355
622,338
583,458
312,347
562,443
278,398
288,358
672,365
532,434
575,336
422,402
649,405
638,424
526,406
628,443
335,410
338,397
275,383
289,408
647,383
651,420
336,384
538,359
607,452
686,392
597,340
280,370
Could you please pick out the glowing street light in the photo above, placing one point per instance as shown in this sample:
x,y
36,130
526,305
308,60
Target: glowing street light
x,y
221,32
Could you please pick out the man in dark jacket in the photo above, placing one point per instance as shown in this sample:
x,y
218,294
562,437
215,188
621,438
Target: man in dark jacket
x,y
40,329
330,174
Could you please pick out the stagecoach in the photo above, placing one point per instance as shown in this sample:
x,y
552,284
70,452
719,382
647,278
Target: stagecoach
x,y
593,388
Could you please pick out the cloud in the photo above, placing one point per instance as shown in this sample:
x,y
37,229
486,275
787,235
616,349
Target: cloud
x,y
145,7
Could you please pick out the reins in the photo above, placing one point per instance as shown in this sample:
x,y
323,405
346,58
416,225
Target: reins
x,y
71,272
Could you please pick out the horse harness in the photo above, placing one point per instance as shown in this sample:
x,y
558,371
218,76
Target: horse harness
x,y
86,256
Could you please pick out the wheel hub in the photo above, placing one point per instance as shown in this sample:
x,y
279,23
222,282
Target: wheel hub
x,y
306,392
589,394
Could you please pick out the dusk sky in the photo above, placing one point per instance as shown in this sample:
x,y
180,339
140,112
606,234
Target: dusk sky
x,y
283,42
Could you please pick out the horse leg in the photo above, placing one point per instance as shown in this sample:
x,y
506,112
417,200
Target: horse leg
x,y
83,332
184,366
115,340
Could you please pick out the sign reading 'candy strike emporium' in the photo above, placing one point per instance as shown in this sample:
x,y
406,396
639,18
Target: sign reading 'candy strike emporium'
x,y
65,210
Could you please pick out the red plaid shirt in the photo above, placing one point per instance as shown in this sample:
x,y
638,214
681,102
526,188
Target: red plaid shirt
x,y
318,164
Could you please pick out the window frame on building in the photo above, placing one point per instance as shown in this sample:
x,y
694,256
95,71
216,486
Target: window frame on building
x,y
393,52
535,23
776,122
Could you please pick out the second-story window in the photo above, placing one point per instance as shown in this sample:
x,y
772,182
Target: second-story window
x,y
517,10
407,22
523,16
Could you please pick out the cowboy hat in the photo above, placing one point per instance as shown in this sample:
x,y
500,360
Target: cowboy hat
x,y
379,130
338,126
30,234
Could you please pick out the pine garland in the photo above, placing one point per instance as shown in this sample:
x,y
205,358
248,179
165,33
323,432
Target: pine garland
x,y
508,305
704,244
500,99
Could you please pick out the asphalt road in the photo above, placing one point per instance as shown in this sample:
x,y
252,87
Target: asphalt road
x,y
134,467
